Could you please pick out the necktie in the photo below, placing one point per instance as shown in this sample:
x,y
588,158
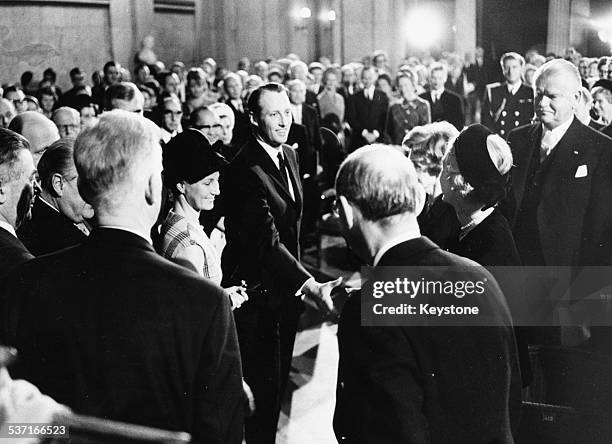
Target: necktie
x,y
546,145
283,169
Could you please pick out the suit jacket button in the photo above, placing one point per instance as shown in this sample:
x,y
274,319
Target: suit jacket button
x,y
516,123
504,113
503,122
502,132
516,113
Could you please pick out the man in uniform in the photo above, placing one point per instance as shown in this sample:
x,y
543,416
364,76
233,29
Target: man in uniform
x,y
509,104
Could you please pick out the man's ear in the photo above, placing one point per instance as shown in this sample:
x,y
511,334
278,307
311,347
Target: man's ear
x,y
3,192
180,187
57,185
346,211
153,190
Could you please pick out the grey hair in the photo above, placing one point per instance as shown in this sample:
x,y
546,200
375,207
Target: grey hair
x,y
381,182
108,155
559,66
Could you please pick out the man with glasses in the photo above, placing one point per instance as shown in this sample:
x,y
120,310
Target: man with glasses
x,y
17,185
171,117
207,121
68,122
17,96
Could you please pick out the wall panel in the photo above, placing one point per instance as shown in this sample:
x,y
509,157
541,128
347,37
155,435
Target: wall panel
x,y
34,37
174,34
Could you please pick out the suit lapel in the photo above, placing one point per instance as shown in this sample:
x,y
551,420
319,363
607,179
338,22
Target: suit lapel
x,y
293,168
269,167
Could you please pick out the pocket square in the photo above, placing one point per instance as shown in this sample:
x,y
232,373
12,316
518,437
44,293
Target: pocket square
x,y
581,171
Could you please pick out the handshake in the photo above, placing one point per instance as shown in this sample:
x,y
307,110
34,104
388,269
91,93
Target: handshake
x,y
318,295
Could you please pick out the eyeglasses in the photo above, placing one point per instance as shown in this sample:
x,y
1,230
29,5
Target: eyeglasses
x,y
216,126
173,113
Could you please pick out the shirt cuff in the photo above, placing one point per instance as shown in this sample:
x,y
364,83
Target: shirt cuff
x,y
300,293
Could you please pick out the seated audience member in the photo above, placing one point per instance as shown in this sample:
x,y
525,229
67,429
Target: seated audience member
x,y
165,338
49,79
142,75
298,70
40,131
178,68
584,108
110,77
251,84
207,122
602,101
169,82
17,183
191,173
59,211
529,74
409,112
125,96
444,104
17,96
197,86
7,112
32,103
48,101
232,85
275,75
171,114
226,117
87,109
26,83
315,69
603,65
401,384
68,122
330,101
77,78
262,69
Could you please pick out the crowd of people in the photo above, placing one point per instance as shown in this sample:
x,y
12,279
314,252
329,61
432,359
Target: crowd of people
x,y
151,228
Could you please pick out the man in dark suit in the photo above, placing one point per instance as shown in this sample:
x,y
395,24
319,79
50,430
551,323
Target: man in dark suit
x,y
308,140
232,84
560,182
298,70
367,111
508,105
415,384
560,179
17,182
112,329
444,104
59,206
263,205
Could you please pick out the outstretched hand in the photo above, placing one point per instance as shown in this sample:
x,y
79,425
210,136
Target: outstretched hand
x,y
318,295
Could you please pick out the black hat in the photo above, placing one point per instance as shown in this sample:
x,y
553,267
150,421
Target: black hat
x,y
604,83
475,164
189,157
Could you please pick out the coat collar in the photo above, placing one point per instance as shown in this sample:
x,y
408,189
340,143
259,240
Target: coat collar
x,y
407,252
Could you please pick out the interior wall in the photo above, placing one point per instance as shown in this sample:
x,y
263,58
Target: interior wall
x,y
35,37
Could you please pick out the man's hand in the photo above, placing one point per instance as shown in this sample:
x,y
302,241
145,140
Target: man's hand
x,y
318,295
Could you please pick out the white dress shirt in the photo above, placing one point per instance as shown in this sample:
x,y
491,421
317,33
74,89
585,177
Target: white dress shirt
x,y
436,94
551,138
512,89
296,110
273,153
408,235
369,92
8,227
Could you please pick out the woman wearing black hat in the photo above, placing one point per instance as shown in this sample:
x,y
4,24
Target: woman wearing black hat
x,y
474,178
191,172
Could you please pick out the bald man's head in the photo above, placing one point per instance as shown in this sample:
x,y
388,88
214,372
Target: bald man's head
x,y
39,130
